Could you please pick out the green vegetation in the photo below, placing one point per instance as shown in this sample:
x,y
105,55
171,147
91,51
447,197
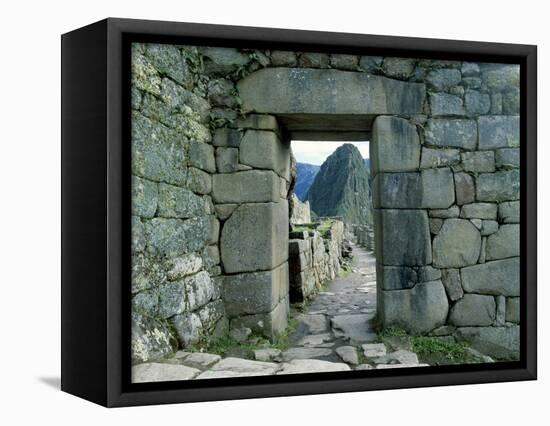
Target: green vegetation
x,y
392,332
322,227
456,352
305,227
361,356
226,344
346,267
432,349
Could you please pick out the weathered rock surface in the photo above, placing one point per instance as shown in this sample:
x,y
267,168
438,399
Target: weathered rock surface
x,y
431,188
255,292
374,350
498,132
267,324
223,60
157,372
405,357
348,354
497,342
242,365
157,151
315,323
398,67
439,157
201,360
201,155
444,104
310,91
443,79
353,328
396,277
508,212
263,150
476,102
255,237
150,338
305,353
464,188
394,227
503,243
495,278
457,244
478,161
301,366
513,309
452,282
499,186
487,211
395,147
457,133
267,355
174,237
507,157
418,310
250,186
473,310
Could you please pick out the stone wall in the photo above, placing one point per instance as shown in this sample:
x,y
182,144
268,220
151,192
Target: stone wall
x,y
212,177
364,236
314,259
446,194
176,291
300,212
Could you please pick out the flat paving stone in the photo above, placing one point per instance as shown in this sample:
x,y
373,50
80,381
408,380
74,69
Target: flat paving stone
x,y
314,323
385,366
245,366
300,366
211,374
161,372
397,357
374,350
305,353
356,328
348,354
315,340
364,367
267,355
201,359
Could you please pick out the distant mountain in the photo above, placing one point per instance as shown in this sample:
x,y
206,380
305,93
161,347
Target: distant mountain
x,y
341,187
305,174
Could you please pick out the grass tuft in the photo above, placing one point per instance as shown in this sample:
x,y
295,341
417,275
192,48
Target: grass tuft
x,y
456,352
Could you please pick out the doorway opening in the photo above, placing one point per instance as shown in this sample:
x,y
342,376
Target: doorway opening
x,y
332,266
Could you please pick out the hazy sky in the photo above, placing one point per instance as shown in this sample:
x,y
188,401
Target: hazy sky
x,y
314,152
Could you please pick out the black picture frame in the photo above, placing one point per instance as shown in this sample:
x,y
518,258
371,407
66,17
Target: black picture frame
x,y
96,210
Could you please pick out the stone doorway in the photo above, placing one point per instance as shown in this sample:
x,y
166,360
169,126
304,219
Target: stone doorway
x,y
339,105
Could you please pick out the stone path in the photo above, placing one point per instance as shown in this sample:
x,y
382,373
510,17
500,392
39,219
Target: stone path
x,y
334,334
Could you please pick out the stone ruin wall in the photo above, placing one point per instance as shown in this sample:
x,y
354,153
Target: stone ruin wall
x,y
364,236
300,212
446,199
176,290
210,187
314,260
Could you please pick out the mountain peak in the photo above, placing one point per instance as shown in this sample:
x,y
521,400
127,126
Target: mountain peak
x,y
341,187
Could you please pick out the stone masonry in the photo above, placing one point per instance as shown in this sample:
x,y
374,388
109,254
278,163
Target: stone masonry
x,y
211,182
314,260
364,235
